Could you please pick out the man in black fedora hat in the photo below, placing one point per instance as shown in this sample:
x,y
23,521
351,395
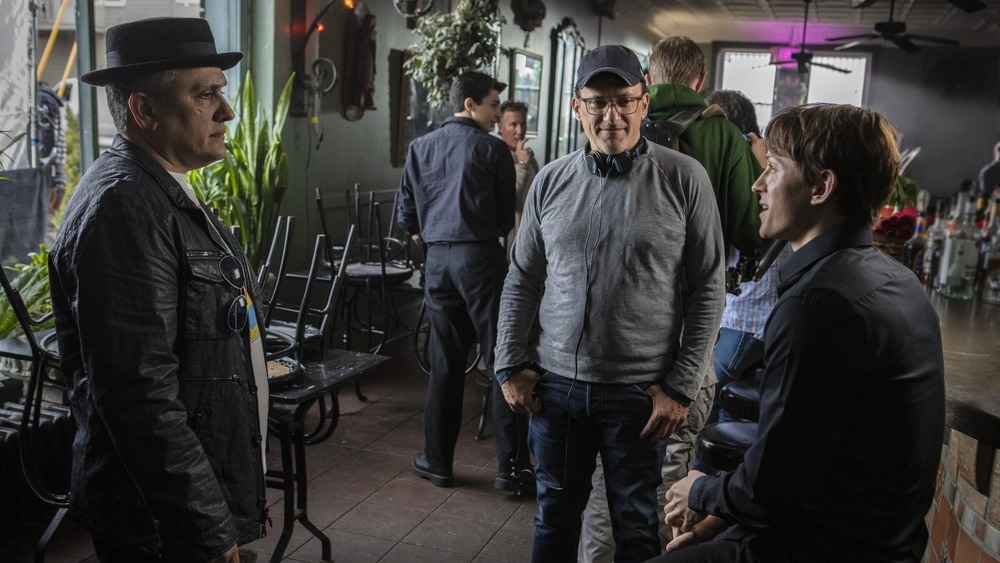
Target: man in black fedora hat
x,y
153,302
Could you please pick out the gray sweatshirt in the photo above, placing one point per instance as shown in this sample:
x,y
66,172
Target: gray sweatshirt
x,y
615,268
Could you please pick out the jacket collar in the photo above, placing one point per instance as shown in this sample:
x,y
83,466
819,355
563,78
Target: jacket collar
x,y
164,180
667,99
457,120
847,234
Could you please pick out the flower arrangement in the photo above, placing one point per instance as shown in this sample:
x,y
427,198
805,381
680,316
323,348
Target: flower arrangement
x,y
898,226
893,231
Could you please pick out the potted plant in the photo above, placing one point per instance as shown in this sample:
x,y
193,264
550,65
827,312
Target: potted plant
x,y
247,186
451,43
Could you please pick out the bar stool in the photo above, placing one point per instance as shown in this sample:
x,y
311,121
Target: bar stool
x,y
722,445
741,398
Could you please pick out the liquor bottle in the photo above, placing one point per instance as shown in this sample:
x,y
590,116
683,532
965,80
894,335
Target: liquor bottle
x,y
932,253
958,260
981,210
988,279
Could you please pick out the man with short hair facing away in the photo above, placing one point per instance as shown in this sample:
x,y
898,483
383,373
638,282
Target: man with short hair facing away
x,y
619,248
457,197
677,72
513,126
153,301
852,405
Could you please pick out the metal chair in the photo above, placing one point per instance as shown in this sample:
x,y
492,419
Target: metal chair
x,y
284,347
281,243
40,348
376,263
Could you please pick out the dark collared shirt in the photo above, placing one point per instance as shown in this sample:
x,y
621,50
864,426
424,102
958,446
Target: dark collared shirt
x,y
458,185
852,412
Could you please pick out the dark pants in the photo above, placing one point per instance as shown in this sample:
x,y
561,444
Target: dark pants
x,y
577,421
462,284
106,553
722,551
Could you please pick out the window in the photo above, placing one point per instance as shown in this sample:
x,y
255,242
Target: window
x,y
772,88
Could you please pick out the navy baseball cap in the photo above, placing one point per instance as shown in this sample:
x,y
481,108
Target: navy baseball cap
x,y
618,60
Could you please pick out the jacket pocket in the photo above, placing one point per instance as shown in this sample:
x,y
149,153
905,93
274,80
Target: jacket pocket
x,y
209,297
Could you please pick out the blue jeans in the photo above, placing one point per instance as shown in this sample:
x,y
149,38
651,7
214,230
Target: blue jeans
x,y
578,420
735,352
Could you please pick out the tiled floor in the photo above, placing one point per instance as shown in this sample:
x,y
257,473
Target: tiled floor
x,y
363,494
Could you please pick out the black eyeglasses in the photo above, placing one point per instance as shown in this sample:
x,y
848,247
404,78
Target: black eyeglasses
x,y
232,272
600,106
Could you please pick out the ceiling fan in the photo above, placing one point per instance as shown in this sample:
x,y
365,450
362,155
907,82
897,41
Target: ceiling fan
x,y
802,58
964,5
895,31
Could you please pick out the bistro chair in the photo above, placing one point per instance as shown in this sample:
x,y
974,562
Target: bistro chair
x,y
375,264
281,244
284,347
41,349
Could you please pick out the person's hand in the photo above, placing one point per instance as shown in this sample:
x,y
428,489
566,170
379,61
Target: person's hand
x,y
232,555
523,153
677,499
703,531
667,416
417,239
519,392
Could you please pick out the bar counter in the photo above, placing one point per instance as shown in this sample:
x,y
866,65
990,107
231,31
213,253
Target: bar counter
x,y
970,334
964,521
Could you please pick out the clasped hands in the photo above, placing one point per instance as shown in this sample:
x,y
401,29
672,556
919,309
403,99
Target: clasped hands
x,y
689,527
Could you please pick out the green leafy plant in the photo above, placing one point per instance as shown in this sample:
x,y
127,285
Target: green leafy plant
x,y
904,192
32,282
72,165
450,44
246,188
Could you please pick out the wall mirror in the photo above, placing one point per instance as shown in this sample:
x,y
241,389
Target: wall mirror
x,y
526,84
562,129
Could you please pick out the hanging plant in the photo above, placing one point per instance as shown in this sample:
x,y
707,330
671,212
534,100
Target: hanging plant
x,y
467,38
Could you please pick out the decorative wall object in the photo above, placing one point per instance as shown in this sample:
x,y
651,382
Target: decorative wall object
x,y
568,46
526,84
358,94
528,14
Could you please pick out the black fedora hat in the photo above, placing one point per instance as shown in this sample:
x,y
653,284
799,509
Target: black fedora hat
x,y
159,44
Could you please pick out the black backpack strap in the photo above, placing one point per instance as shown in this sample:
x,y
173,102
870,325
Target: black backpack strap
x,y
666,132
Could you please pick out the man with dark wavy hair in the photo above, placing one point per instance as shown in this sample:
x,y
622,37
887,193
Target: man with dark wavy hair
x,y
852,407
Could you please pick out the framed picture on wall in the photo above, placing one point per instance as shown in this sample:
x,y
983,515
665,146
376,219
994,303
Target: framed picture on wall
x,y
526,84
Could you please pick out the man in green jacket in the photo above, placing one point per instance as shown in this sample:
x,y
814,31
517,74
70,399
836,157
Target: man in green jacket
x,y
677,71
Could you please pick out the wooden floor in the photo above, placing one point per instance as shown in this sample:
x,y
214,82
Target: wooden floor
x,y
363,494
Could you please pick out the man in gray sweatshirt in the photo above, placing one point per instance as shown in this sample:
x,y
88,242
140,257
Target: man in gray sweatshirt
x,y
620,247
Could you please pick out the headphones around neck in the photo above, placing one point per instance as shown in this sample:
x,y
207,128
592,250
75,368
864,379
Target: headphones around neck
x,y
611,165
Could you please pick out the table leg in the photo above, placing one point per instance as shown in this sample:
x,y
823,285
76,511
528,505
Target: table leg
x,y
287,486
301,478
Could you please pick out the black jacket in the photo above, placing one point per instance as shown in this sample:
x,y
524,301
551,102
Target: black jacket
x,y
167,455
